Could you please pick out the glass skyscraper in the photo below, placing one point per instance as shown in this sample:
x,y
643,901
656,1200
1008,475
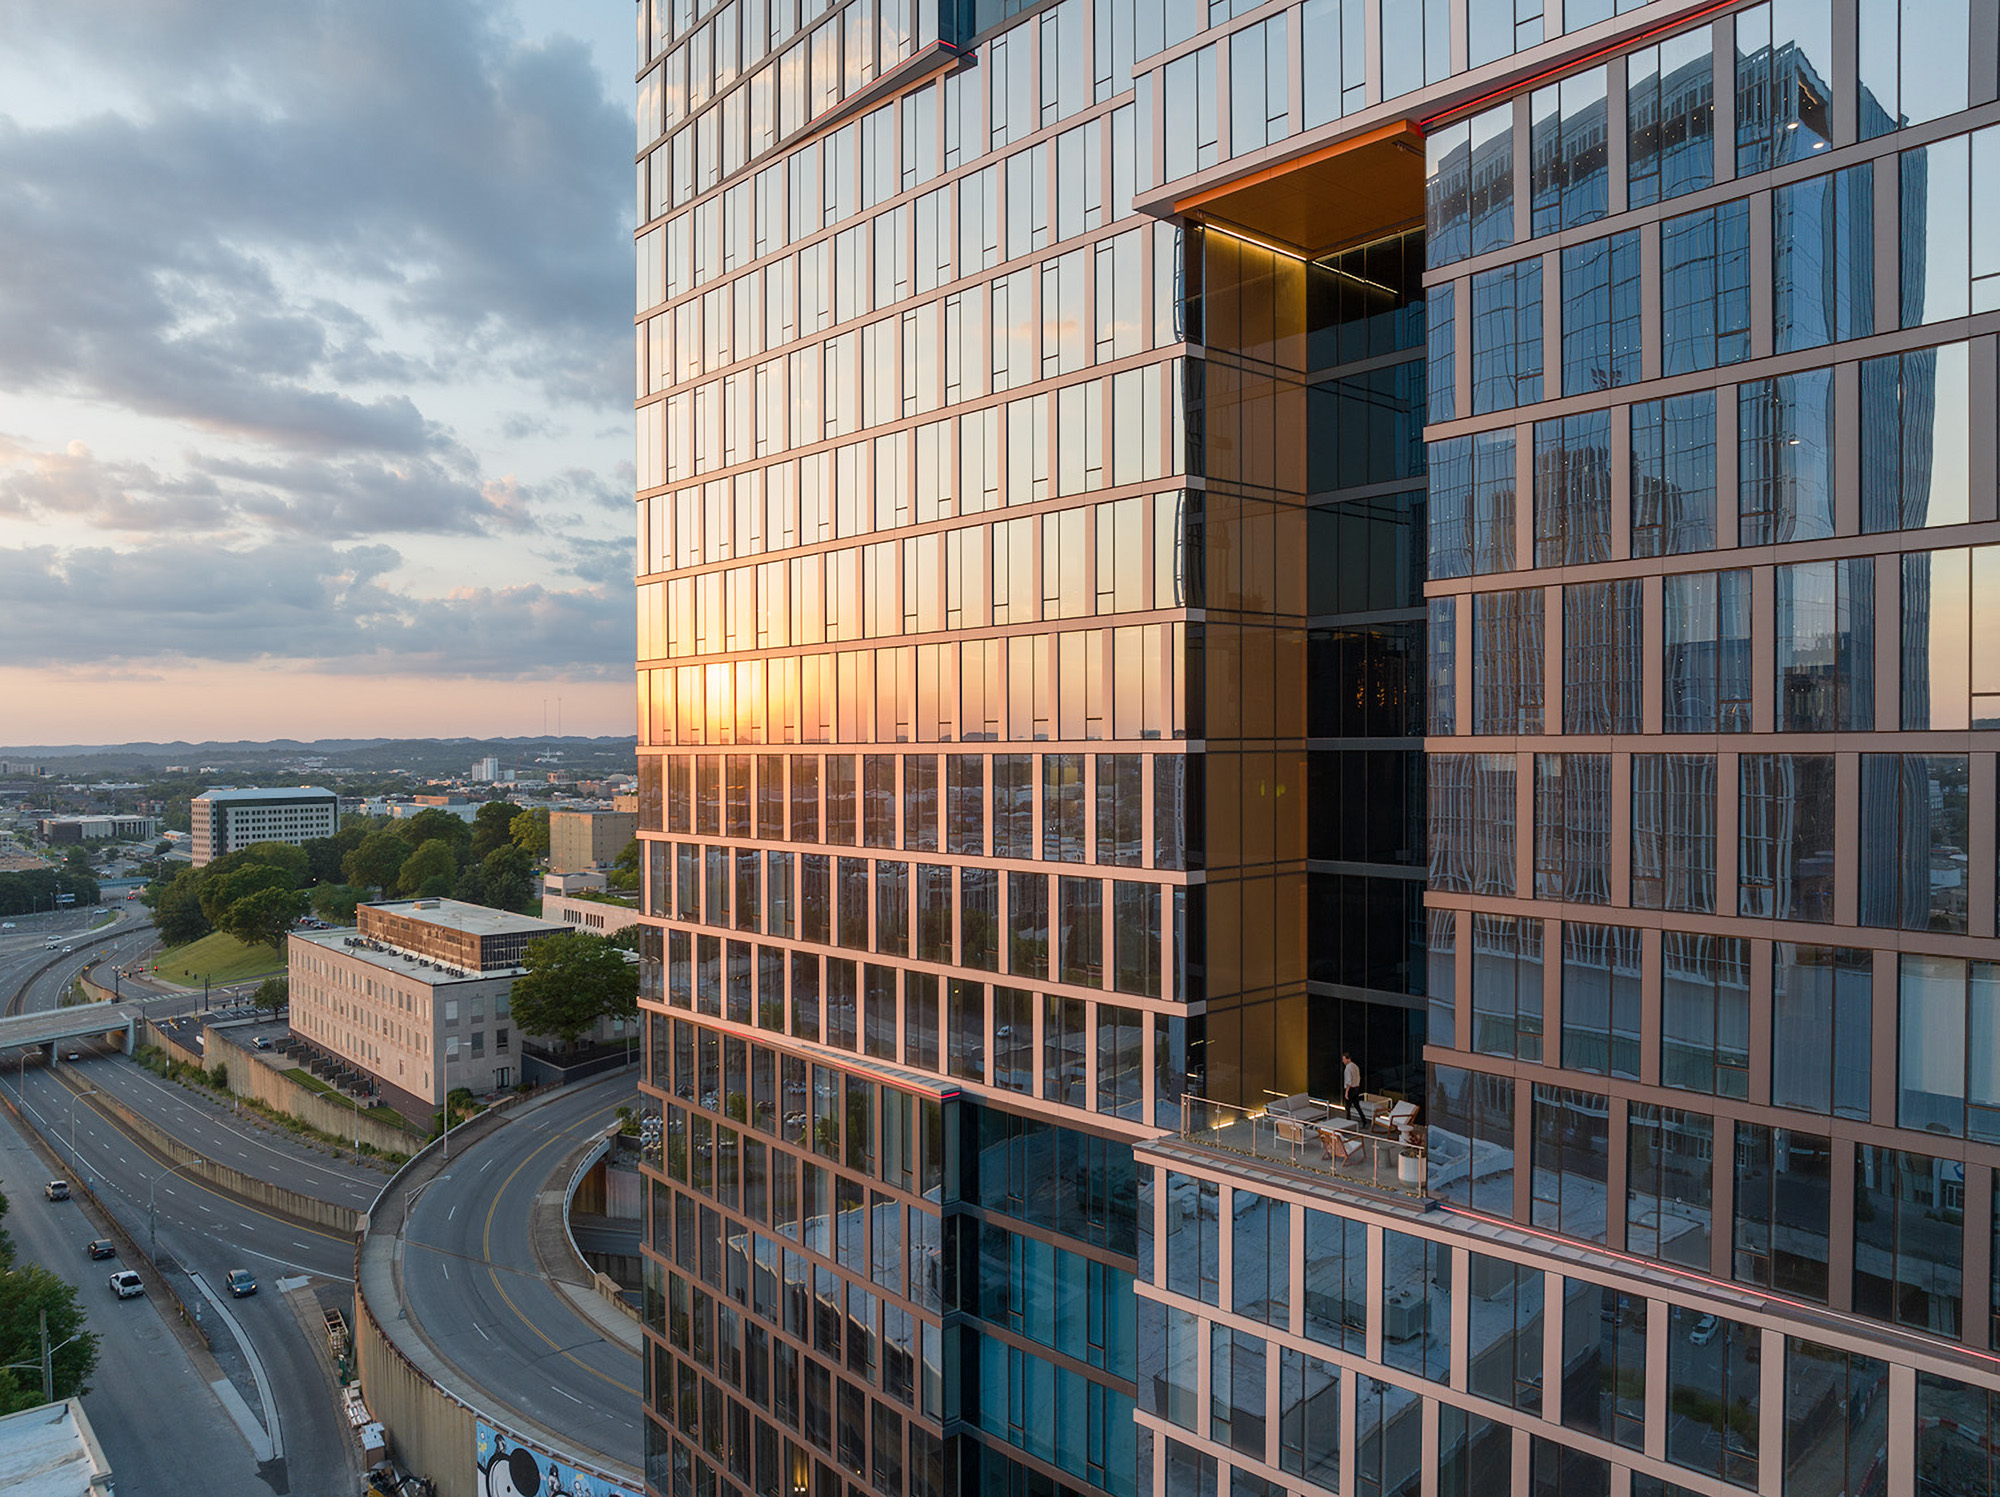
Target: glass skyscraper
x,y
1183,543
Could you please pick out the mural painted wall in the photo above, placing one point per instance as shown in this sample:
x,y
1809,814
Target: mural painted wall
x,y
509,1467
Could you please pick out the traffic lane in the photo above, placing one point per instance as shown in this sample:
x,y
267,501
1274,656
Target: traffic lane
x,y
479,1280
207,1233
471,1282
126,1177
152,1412
223,1135
310,1432
43,992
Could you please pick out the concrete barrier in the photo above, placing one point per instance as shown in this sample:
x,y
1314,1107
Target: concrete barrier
x,y
129,1246
432,1430
231,1181
255,1081
607,1287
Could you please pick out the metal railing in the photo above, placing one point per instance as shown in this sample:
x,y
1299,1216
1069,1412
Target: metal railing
x,y
1329,1145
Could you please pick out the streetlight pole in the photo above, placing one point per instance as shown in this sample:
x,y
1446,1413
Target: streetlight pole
x,y
152,1213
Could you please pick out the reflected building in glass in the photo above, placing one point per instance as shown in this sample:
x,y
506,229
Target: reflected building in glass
x,y
1181,544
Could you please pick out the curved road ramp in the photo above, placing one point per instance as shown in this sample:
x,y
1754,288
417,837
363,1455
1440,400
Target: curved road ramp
x,y
483,1355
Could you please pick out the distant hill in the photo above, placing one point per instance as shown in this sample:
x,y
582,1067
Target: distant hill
x,y
414,755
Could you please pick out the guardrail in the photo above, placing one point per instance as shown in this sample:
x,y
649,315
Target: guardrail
x,y
606,1286
1324,1144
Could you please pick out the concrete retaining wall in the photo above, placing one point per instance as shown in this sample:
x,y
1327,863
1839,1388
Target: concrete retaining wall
x,y
581,1182
431,1433
129,1247
252,1079
244,1187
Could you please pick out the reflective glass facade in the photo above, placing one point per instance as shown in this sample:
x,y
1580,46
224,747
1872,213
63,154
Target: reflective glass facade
x,y
1181,542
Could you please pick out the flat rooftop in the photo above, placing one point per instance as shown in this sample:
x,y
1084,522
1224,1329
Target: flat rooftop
x,y
51,1451
277,793
351,943
474,919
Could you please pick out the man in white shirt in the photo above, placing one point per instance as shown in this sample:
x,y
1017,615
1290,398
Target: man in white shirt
x,y
1350,1087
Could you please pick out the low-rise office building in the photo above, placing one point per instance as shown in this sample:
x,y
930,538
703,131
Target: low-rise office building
x,y
592,915
226,819
580,840
64,830
416,994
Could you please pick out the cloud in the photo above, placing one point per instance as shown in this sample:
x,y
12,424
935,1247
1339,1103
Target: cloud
x,y
226,252
325,606
331,497
336,251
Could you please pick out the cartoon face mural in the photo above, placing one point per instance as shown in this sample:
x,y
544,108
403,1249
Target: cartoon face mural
x,y
509,1467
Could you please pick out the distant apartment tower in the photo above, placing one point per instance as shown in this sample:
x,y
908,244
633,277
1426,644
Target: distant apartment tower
x,y
486,771
226,819
583,840
416,995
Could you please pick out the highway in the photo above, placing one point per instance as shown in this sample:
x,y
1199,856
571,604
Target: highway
x,y
259,1417
263,1344
161,1427
471,1282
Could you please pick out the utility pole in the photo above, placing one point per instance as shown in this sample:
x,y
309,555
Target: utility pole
x,y
48,1364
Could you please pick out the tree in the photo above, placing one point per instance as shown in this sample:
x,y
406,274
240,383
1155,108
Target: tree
x,y
296,861
271,995
26,1291
221,890
263,918
572,981
435,825
531,833
625,938
177,911
77,859
326,855
624,872
435,859
508,875
493,827
334,903
375,862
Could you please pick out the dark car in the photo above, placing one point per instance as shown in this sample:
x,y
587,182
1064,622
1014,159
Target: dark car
x,y
104,1247
241,1282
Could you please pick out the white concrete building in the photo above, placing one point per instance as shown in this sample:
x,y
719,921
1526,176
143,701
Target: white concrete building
x,y
225,819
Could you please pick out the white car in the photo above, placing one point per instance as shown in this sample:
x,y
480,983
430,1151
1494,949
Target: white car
x,y
126,1284
1704,1330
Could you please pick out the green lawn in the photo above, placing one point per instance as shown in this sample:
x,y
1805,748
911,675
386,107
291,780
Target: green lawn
x,y
221,959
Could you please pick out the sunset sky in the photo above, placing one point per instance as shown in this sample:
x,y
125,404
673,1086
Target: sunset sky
x,y
314,369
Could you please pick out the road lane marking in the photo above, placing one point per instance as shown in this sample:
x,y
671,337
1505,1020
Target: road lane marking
x,y
486,1247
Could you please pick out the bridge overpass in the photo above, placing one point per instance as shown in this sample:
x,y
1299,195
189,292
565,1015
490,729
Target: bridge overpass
x,y
44,1031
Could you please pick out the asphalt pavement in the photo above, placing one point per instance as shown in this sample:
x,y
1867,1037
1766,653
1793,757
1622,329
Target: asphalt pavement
x,y
162,1428
265,1347
471,1282
259,1414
